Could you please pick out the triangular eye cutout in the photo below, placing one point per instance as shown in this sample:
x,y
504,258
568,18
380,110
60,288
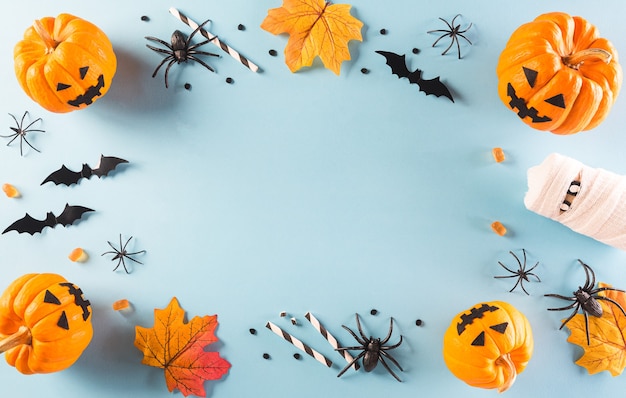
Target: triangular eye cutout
x,y
531,76
83,71
557,100
479,340
62,86
51,298
62,322
500,328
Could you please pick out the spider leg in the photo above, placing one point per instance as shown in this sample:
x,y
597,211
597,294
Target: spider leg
x,y
463,31
358,324
450,25
507,268
16,122
123,248
132,259
350,348
25,140
361,355
391,347
601,289
124,264
196,52
531,274
440,37
166,44
506,276
171,57
7,136
450,46
591,276
196,30
565,308
386,339
159,50
392,359
31,123
118,263
571,316
362,342
195,46
201,62
586,326
561,297
382,360
167,71
519,279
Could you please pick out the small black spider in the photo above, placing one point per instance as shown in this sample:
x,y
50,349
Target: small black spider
x,y
180,50
586,298
121,253
453,32
20,131
521,274
374,350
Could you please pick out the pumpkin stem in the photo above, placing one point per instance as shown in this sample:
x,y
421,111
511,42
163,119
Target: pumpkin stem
x,y
575,60
22,336
510,372
50,43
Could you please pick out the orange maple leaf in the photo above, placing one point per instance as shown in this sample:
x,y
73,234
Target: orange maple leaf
x,y
178,348
315,28
607,336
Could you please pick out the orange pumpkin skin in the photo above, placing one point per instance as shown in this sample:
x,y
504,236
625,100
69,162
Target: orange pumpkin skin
x,y
488,345
558,74
64,63
58,319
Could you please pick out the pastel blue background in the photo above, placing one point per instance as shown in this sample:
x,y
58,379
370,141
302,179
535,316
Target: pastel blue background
x,y
303,192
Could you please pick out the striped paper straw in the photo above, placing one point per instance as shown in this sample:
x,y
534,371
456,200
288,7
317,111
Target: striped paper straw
x,y
286,336
330,338
243,60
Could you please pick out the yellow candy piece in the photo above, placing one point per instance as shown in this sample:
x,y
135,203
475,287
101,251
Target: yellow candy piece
x,y
11,191
498,154
78,255
498,228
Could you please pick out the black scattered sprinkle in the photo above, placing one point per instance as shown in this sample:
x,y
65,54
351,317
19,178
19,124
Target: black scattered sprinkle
x,y
145,18
273,53
266,356
365,71
241,27
252,331
419,322
297,356
416,51
374,312
187,86
383,31
229,80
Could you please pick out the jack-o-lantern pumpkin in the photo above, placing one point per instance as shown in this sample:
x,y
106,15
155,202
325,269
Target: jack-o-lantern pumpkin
x,y
488,345
45,323
558,74
64,63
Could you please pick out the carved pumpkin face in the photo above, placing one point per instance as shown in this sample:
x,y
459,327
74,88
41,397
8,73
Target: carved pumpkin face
x,y
558,75
64,63
53,315
488,345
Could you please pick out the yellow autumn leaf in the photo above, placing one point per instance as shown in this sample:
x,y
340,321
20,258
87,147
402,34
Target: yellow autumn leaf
x,y
315,28
607,336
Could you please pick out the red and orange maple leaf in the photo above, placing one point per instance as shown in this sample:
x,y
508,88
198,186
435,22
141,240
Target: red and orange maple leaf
x,y
607,336
178,348
315,28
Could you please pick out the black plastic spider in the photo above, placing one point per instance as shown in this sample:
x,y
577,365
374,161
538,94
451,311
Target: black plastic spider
x,y
454,33
20,131
180,50
586,298
374,350
521,274
121,253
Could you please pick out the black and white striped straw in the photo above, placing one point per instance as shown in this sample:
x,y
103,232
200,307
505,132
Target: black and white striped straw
x,y
215,40
331,339
299,344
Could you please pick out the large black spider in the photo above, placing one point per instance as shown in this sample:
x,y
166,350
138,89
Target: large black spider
x,y
521,273
454,33
374,350
586,298
121,253
20,131
180,50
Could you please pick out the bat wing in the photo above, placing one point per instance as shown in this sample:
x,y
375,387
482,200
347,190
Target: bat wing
x,y
396,62
29,225
71,213
434,87
107,164
63,176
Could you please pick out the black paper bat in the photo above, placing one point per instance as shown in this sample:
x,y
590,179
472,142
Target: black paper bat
x,y
69,177
30,225
398,67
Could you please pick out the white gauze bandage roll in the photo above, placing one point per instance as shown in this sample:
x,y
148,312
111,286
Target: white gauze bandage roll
x,y
598,209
